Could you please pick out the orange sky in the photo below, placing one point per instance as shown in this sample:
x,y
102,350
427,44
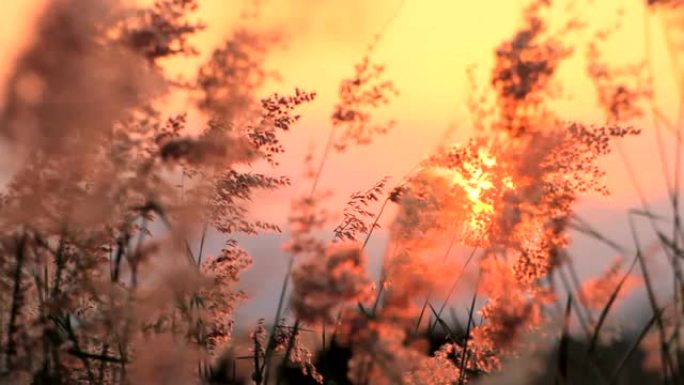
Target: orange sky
x,y
427,49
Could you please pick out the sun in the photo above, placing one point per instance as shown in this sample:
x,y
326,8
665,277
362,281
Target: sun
x,y
478,179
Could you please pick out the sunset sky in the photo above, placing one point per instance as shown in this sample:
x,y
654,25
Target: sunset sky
x,y
427,47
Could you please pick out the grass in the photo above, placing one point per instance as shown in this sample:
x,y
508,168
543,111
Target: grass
x,y
90,295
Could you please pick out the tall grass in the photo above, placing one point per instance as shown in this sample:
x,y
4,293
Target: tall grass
x,y
104,277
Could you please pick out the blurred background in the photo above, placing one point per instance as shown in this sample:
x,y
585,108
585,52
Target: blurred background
x,y
428,46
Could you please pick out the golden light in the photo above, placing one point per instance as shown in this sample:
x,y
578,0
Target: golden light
x,y
475,178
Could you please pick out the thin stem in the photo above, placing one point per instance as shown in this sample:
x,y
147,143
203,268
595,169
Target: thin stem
x,y
201,246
